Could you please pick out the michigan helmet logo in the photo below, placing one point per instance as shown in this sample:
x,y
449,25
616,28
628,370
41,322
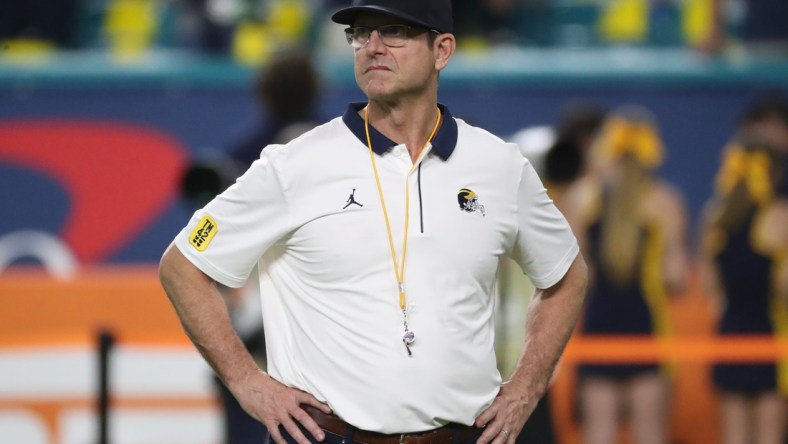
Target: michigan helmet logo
x,y
203,233
469,201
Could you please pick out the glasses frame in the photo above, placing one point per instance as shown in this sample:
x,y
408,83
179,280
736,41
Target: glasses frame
x,y
410,32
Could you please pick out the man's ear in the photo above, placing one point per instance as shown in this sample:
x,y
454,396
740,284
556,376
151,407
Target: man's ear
x,y
445,44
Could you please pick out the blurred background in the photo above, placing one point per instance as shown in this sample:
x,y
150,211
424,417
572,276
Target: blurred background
x,y
112,110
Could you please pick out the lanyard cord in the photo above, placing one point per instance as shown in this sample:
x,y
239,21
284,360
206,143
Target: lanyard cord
x,y
398,271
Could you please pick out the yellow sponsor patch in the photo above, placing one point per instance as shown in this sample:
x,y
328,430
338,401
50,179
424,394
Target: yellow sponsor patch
x,y
203,233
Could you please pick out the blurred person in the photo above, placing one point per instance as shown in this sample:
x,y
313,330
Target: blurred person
x,y
631,226
745,247
566,160
563,164
766,119
286,91
559,155
360,347
559,152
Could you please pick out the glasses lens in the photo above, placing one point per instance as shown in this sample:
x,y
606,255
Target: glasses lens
x,y
393,35
390,35
357,36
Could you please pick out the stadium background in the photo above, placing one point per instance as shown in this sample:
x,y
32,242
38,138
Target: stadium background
x,y
93,140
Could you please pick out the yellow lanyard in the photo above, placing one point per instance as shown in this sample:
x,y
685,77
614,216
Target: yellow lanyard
x,y
399,266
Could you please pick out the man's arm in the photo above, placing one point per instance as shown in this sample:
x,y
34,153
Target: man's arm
x,y
552,315
205,320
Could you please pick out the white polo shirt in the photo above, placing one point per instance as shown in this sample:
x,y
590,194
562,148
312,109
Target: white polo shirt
x,y
309,213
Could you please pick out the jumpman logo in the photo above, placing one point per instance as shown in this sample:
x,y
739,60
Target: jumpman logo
x,y
352,200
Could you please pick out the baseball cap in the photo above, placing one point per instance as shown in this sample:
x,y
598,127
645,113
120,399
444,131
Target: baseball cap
x,y
432,14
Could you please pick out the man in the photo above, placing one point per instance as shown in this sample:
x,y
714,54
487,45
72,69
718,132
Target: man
x,y
369,339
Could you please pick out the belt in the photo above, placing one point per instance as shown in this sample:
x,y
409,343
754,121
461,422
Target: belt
x,y
442,435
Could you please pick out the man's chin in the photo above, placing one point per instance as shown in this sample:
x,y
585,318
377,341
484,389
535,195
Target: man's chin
x,y
376,91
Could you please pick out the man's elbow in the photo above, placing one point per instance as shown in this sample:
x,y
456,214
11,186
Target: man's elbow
x,y
168,268
580,278
164,263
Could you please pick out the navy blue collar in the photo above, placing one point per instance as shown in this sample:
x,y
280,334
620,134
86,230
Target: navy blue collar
x,y
443,143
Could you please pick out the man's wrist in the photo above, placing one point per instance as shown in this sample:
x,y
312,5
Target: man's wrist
x,y
241,377
532,387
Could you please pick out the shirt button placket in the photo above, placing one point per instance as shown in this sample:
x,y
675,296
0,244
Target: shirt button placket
x,y
401,154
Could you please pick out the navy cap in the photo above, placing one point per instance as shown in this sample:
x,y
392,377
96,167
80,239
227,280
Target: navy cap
x,y
432,14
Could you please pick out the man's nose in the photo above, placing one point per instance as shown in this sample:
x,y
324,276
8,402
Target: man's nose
x,y
375,43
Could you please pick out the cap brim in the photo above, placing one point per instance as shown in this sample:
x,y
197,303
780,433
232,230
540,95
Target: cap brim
x,y
348,15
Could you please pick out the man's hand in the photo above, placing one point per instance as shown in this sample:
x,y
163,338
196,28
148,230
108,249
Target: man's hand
x,y
505,418
275,404
204,317
552,314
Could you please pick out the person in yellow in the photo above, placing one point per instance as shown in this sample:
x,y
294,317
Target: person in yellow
x,y
745,247
631,227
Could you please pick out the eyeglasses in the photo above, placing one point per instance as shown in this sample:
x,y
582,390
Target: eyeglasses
x,y
391,35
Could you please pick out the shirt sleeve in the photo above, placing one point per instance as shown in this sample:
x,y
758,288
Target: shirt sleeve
x,y
545,246
227,237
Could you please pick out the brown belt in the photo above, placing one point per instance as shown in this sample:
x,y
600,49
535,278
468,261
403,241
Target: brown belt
x,y
442,435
